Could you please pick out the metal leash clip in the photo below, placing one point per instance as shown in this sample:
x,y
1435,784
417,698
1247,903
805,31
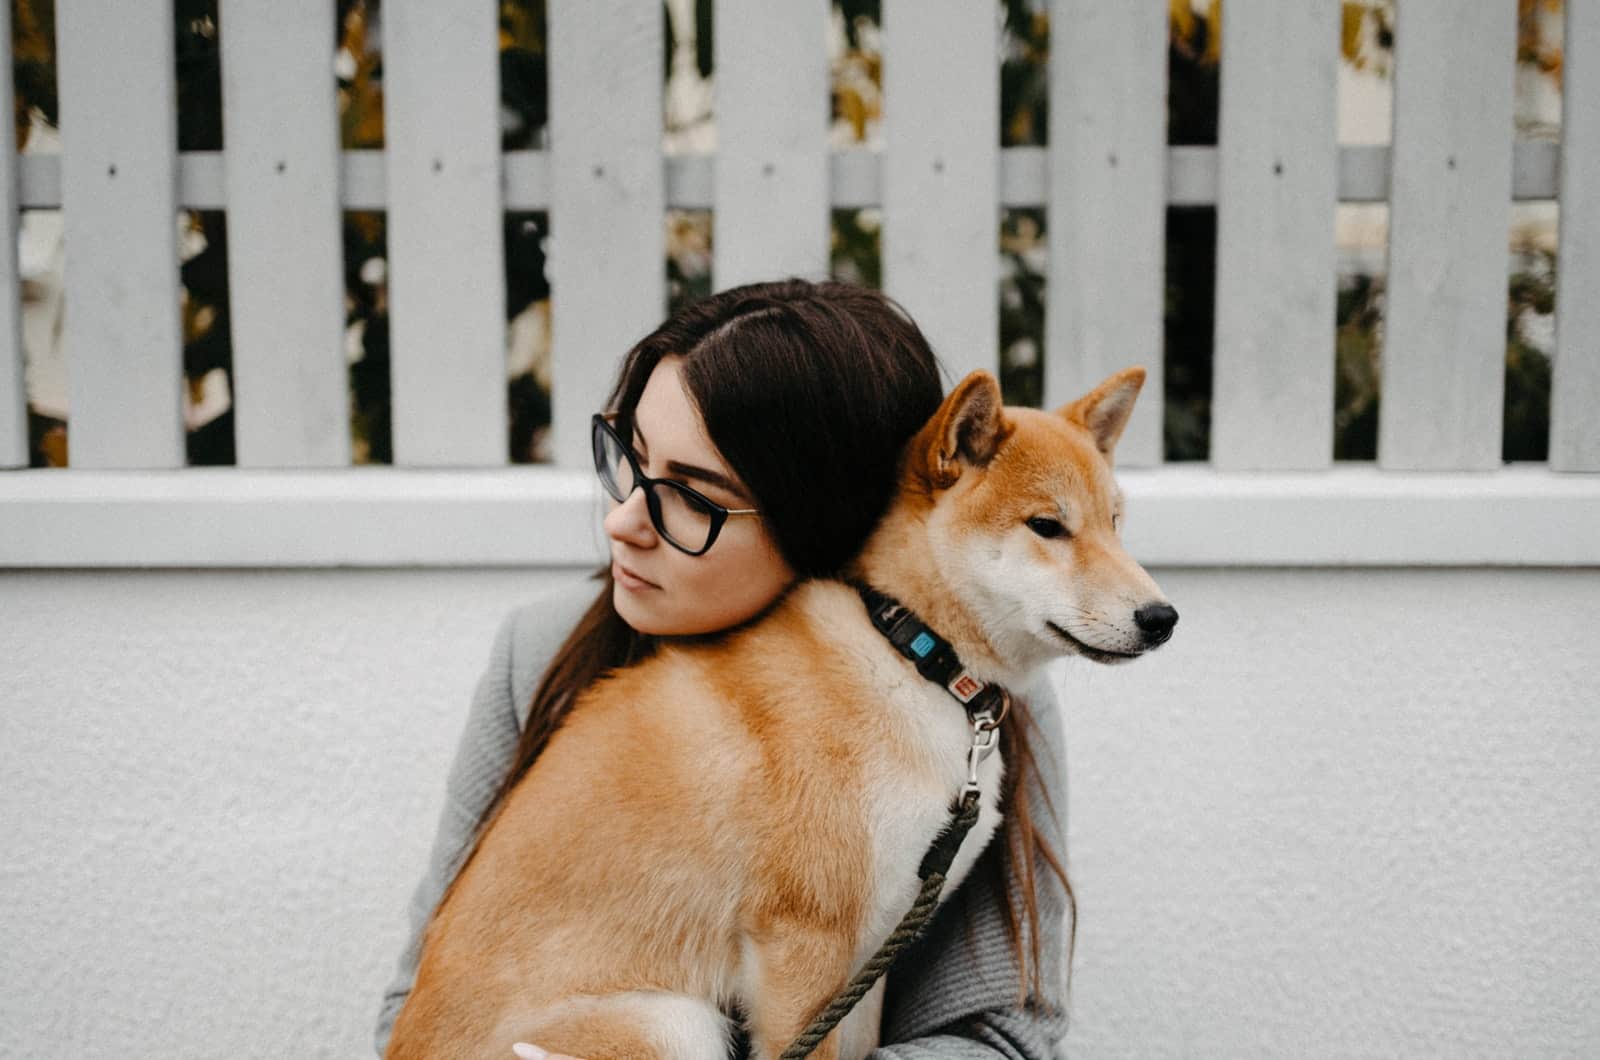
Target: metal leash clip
x,y
985,735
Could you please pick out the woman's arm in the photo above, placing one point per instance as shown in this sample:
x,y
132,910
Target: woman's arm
x,y
951,1000
525,642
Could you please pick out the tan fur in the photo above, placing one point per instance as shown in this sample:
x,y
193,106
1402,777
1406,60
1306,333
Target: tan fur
x,y
741,818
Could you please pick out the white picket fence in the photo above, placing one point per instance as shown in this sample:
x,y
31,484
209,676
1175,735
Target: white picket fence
x,y
1270,494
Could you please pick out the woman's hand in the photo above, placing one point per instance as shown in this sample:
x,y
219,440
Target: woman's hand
x,y
533,1052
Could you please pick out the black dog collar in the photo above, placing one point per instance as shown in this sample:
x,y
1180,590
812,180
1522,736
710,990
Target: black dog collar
x,y
934,657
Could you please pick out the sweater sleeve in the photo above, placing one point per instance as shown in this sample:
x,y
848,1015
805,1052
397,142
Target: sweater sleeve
x,y
523,646
951,999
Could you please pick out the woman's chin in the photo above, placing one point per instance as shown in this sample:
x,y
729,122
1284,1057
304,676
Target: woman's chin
x,y
639,617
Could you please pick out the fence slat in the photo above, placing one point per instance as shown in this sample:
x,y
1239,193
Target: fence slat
x,y
941,174
1277,190
281,128
13,391
1575,380
1107,207
446,244
772,142
607,259
1449,216
116,73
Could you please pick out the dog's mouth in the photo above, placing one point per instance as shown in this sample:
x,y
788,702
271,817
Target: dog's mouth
x,y
1101,655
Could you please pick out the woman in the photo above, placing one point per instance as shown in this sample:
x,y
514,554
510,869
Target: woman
x,y
783,407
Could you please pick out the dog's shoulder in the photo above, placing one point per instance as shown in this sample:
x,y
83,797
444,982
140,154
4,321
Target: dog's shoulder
x,y
825,600
817,618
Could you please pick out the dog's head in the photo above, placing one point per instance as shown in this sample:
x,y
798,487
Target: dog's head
x,y
1007,527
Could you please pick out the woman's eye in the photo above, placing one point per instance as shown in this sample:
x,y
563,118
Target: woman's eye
x,y
1045,527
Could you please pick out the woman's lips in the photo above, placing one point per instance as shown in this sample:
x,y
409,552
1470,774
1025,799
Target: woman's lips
x,y
629,580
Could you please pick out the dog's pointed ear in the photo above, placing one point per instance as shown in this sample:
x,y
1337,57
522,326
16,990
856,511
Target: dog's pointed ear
x,y
969,429
1104,411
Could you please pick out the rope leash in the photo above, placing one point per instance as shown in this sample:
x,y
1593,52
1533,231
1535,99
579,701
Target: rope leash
x,y
910,927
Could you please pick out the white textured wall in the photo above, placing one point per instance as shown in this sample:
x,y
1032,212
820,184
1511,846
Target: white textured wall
x,y
1348,813
1343,813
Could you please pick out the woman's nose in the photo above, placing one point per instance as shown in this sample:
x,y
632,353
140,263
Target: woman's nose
x,y
629,521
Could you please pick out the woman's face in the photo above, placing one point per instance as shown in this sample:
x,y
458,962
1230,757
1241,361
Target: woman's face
x,y
658,589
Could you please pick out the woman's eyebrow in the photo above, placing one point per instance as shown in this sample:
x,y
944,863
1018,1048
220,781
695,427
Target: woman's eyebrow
x,y
704,474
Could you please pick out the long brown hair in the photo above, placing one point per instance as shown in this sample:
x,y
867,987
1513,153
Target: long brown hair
x,y
760,361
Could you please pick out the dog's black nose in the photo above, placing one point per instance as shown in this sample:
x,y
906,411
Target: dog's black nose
x,y
1156,622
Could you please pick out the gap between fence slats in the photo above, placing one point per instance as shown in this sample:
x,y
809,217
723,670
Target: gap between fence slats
x,y
13,396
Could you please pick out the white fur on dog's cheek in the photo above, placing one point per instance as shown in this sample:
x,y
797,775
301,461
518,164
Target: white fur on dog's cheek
x,y
1010,593
1015,595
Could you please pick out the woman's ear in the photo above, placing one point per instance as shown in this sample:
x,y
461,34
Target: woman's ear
x,y
1104,411
968,429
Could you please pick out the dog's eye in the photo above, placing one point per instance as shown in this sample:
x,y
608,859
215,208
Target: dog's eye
x,y
1046,527
1116,524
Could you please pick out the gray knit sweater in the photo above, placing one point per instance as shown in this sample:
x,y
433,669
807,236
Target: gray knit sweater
x,y
945,999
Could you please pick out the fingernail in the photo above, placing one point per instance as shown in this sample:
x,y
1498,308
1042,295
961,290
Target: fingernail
x,y
529,1052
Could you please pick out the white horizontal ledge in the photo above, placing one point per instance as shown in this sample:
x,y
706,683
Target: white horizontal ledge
x,y
1358,515
856,179
1177,515
347,517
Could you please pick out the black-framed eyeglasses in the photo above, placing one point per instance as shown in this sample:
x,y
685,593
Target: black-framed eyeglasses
x,y
689,520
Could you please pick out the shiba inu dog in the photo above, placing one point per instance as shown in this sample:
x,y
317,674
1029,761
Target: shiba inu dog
x,y
741,818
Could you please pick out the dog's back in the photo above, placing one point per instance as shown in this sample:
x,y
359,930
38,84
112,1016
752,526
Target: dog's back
x,y
735,819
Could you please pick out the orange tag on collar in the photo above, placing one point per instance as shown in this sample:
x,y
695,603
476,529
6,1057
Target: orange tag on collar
x,y
965,686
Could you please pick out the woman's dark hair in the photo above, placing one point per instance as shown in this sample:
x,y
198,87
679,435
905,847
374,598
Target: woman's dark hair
x,y
809,390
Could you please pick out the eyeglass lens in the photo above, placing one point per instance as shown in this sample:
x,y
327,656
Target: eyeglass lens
x,y
677,515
